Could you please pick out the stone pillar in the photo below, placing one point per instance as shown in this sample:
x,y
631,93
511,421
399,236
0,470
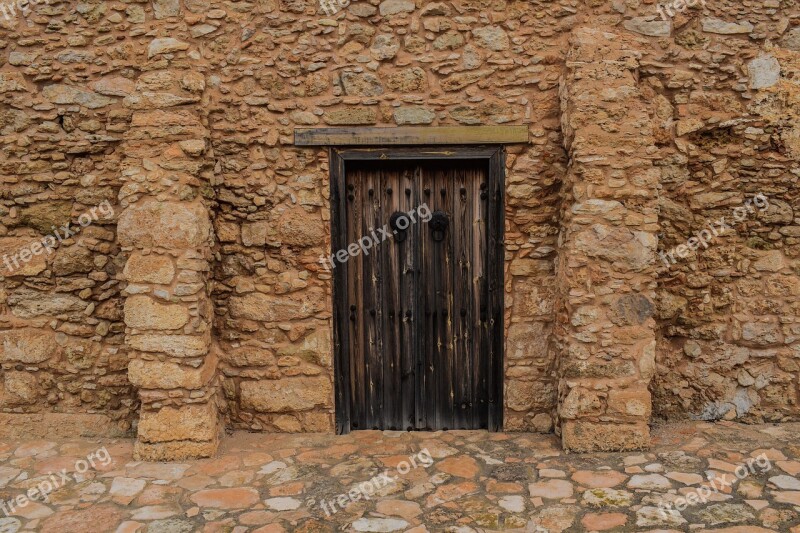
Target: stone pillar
x,y
606,266
166,231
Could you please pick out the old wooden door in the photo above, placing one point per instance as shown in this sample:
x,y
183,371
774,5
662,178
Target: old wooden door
x,y
420,321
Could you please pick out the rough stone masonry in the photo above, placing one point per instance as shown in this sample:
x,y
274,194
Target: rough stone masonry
x,y
202,304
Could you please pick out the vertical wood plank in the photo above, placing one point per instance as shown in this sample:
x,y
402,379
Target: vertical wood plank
x,y
446,297
480,295
354,306
390,322
341,337
496,287
370,307
458,355
407,194
422,317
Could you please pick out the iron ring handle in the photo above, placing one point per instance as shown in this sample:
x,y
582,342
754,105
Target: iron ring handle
x,y
438,223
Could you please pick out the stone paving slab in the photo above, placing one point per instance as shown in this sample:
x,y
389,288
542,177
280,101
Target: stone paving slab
x,y
720,477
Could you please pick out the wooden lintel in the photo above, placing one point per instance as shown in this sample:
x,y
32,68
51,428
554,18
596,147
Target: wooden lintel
x,y
410,135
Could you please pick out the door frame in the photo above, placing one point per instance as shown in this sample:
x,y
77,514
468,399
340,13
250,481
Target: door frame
x,y
494,157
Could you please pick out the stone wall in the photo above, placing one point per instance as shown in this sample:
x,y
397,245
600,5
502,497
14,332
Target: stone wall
x,y
459,63
729,335
180,114
165,229
722,79
606,275
61,329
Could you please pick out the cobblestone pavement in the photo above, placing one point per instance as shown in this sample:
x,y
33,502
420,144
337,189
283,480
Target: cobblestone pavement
x,y
451,481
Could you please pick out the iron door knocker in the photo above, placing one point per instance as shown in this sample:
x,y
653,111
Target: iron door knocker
x,y
399,223
438,224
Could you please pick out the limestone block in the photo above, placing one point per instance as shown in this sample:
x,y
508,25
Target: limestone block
x,y
19,388
11,81
762,333
70,94
143,312
271,308
385,47
73,259
28,345
258,233
19,257
166,375
633,401
584,436
298,227
156,100
43,216
166,8
165,45
715,25
414,115
49,426
286,395
351,116
407,80
395,7
596,369
196,422
29,303
173,345
174,450
172,225
653,28
634,250
361,84
765,71
533,298
315,348
528,340
772,261
580,402
492,37
152,268
114,86
631,309
529,395
248,356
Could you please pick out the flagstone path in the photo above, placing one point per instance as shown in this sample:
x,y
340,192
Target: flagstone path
x,y
720,477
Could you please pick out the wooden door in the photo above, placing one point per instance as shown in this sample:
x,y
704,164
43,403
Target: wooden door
x,y
421,352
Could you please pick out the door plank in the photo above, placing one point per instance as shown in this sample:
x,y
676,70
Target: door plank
x,y
459,355
480,295
341,287
389,286
407,192
495,256
445,296
373,309
355,303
